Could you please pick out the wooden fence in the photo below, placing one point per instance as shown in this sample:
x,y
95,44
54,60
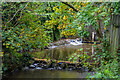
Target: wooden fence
x,y
115,32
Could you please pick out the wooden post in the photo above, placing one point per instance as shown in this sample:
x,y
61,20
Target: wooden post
x,y
92,49
93,36
115,32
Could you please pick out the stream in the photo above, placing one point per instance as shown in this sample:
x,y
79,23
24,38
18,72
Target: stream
x,y
62,52
56,52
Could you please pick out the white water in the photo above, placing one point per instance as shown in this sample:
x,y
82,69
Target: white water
x,y
53,46
69,42
76,42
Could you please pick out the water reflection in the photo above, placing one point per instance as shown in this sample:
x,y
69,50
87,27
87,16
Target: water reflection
x,y
49,74
63,52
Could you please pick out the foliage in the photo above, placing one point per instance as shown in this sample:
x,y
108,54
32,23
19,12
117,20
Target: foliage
x,y
13,61
109,67
115,7
28,26
21,33
80,56
31,32
63,17
83,33
109,70
90,15
28,34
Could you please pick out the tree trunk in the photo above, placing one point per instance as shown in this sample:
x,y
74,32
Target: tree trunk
x,y
56,33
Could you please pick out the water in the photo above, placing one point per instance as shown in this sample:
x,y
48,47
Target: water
x,y
76,42
61,52
38,73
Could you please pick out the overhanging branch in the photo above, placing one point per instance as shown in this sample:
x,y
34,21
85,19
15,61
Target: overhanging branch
x,y
70,5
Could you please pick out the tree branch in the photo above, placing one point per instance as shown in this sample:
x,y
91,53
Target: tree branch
x,y
17,12
70,5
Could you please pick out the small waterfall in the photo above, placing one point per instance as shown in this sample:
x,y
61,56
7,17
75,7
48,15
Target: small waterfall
x,y
53,46
76,42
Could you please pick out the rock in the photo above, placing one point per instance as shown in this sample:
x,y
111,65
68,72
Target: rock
x,y
86,69
59,68
26,68
63,66
38,68
36,64
69,69
51,68
78,68
44,66
39,65
52,65
32,66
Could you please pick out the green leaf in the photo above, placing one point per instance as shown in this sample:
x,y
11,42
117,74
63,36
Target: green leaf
x,y
5,68
81,49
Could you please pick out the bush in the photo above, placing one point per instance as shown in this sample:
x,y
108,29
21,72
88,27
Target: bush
x,y
13,61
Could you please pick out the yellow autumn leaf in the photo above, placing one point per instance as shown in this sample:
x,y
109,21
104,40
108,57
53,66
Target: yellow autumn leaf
x,y
101,6
63,26
111,9
79,7
54,8
104,28
64,17
62,32
57,9
30,27
75,5
58,27
18,44
6,46
99,11
69,9
2,53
